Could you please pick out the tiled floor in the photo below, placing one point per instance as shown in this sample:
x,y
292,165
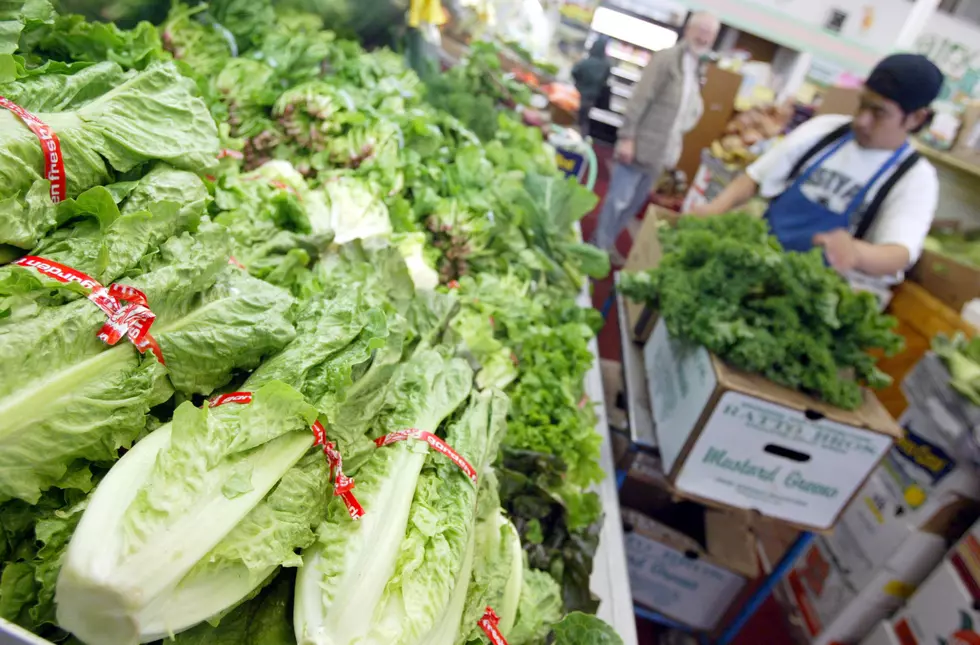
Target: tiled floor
x,y
768,626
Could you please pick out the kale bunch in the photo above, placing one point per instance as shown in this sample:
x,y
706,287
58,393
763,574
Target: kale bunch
x,y
728,285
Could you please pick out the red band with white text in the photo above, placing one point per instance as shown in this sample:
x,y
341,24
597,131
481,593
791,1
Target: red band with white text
x,y
343,485
131,320
489,624
54,163
434,442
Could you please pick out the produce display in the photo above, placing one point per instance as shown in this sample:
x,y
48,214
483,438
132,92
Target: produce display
x,y
961,246
728,285
962,358
292,339
747,130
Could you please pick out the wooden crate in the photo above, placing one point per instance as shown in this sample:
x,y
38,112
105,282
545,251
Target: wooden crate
x,y
920,317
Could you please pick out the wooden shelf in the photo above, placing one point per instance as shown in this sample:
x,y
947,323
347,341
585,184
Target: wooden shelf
x,y
946,159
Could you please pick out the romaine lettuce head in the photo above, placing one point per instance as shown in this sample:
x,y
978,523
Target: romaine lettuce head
x,y
72,398
194,518
152,115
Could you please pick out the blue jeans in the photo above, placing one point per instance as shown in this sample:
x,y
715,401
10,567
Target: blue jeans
x,y
628,190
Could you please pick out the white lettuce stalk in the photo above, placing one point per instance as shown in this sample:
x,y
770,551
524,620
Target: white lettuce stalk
x,y
346,571
193,519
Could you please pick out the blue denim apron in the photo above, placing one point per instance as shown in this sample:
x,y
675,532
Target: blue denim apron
x,y
794,219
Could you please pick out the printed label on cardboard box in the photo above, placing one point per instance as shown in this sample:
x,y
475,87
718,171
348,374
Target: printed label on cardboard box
x,y
694,592
758,455
681,379
818,588
940,613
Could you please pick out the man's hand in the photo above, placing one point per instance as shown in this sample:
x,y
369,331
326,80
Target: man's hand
x,y
625,151
842,250
704,210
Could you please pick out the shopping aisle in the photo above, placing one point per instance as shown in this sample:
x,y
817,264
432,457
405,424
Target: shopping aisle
x,y
769,623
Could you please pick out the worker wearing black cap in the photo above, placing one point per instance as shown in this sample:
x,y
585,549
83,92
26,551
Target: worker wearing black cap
x,y
854,186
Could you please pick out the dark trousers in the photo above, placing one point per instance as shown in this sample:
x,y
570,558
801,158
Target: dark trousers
x,y
583,117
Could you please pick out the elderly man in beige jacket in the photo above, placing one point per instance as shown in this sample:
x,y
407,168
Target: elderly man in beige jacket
x,y
666,104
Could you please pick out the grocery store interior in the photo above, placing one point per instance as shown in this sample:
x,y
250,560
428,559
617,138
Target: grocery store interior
x,y
506,322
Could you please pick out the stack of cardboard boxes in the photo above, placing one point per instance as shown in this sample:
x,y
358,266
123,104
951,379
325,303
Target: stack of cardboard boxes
x,y
945,609
894,535
744,454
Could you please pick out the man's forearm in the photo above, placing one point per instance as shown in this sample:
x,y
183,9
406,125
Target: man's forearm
x,y
741,190
882,259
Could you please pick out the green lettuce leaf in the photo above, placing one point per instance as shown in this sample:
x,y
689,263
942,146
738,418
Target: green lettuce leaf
x,y
152,115
74,398
346,570
162,528
584,629
539,608
264,620
442,521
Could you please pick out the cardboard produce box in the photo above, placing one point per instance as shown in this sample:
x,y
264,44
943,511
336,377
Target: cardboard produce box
x,y
942,610
645,254
967,147
734,439
946,607
953,282
944,419
693,581
883,634
834,611
883,529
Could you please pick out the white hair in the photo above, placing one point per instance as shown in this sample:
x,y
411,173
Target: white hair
x,y
704,19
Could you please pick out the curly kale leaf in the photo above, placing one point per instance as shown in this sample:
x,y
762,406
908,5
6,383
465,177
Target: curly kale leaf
x,y
725,283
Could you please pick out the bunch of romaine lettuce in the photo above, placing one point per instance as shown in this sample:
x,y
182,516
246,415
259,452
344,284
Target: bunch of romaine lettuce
x,y
356,199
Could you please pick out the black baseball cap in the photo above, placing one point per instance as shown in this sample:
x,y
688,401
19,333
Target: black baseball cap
x,y
911,80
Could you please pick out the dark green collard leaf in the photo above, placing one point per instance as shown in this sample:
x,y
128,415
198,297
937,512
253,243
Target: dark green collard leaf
x,y
582,629
529,483
36,538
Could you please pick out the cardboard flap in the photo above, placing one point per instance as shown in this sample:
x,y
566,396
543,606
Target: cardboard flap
x,y
645,254
731,543
650,528
872,415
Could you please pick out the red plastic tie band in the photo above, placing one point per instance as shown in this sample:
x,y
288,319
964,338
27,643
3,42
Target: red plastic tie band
x,y
54,163
228,152
489,624
434,442
131,320
343,485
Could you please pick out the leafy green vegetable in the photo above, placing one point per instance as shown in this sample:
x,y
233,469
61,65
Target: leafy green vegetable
x,y
74,398
582,629
152,115
962,358
163,545
264,620
726,284
349,566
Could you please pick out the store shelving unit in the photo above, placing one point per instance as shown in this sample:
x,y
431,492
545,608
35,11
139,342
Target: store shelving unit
x,y
610,577
11,634
643,437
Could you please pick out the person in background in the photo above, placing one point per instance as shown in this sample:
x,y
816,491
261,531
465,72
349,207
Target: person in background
x,y
853,185
591,76
666,103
